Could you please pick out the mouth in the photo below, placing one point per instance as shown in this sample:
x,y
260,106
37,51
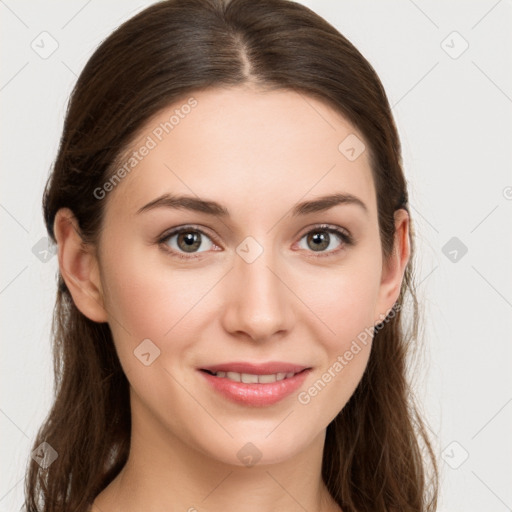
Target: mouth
x,y
255,385
254,378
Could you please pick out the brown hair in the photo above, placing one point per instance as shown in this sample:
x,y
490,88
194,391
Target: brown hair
x,y
377,456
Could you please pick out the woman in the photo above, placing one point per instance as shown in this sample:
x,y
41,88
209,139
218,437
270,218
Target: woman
x,y
235,250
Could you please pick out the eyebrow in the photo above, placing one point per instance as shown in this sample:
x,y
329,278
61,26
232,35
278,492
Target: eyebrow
x,y
213,208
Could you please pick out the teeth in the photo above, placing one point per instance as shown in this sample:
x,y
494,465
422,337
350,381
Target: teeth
x,y
249,378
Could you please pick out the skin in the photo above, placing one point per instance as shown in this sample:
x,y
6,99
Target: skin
x,y
258,154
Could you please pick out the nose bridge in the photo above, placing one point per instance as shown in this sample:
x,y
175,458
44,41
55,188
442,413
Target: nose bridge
x,y
259,302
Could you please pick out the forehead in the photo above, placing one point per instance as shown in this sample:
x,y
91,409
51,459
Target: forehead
x,y
246,147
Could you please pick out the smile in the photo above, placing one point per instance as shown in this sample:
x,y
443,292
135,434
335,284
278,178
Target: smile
x,y
257,390
249,378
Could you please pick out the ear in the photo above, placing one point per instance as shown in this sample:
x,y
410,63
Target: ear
x,y
79,266
393,269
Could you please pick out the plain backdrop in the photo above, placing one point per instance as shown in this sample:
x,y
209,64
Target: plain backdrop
x,y
446,69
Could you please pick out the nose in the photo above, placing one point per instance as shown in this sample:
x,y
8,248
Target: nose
x,y
259,304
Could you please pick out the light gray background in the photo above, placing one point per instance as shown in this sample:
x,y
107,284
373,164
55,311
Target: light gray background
x,y
453,114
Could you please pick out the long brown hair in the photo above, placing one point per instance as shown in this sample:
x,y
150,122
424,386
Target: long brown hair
x,y
377,455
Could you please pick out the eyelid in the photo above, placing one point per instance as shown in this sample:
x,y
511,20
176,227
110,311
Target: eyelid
x,y
187,227
327,227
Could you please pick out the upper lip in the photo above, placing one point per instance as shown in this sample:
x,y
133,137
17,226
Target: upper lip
x,y
256,368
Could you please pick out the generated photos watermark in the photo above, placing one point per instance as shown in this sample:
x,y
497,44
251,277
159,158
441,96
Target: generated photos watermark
x,y
362,339
151,142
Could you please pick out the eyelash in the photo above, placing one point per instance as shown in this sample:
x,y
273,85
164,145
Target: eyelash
x,y
345,237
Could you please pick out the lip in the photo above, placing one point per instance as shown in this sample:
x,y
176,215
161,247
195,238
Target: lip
x,y
256,395
256,368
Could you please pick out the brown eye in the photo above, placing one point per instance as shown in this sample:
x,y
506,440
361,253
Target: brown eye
x,y
326,240
318,241
187,240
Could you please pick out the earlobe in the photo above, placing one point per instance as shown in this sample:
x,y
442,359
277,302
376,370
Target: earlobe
x,y
394,268
79,267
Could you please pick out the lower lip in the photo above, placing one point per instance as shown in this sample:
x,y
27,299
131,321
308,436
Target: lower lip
x,y
256,394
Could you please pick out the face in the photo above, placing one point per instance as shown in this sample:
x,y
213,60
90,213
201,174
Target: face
x,y
254,278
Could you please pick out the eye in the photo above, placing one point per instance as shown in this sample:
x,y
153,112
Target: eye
x,y
326,239
187,240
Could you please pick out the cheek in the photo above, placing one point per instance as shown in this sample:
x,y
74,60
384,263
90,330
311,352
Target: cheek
x,y
345,299
351,317
135,299
346,306
148,299
144,295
